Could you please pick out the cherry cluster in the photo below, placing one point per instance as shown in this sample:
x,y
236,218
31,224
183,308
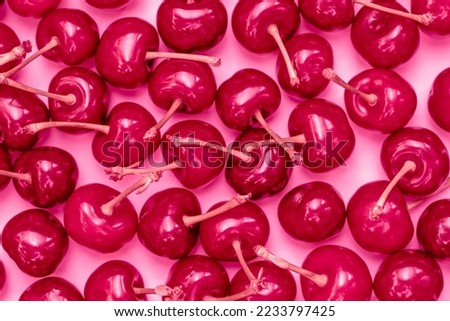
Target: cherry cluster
x,y
174,122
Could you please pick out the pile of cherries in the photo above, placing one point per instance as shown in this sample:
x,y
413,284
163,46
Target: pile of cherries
x,y
141,157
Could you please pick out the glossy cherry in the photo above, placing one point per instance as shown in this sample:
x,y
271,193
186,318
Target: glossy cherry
x,y
11,50
97,217
439,94
370,100
433,229
2,276
382,39
385,229
91,97
310,54
329,138
161,227
36,241
77,35
33,8
245,224
19,109
44,176
51,288
426,150
440,10
191,25
266,174
5,165
195,278
114,280
312,212
200,164
277,284
409,275
327,15
108,4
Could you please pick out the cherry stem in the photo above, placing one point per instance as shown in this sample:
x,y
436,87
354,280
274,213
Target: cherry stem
x,y
238,250
161,290
179,142
37,127
330,74
20,176
294,156
232,203
50,45
419,201
272,29
118,172
213,61
408,166
141,185
424,19
69,99
152,132
319,279
298,139
16,53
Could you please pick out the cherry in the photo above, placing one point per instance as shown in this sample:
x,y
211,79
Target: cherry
x,y
199,147
5,165
2,276
433,229
51,288
114,280
370,100
266,174
162,229
191,25
108,4
408,275
126,50
421,147
179,85
440,10
327,15
232,235
195,278
310,54
312,212
11,50
33,8
385,40
329,273
439,94
90,92
379,223
44,176
19,109
328,137
36,241
277,284
101,218
77,35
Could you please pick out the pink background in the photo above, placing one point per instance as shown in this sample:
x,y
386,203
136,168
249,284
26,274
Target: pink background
x,y
363,166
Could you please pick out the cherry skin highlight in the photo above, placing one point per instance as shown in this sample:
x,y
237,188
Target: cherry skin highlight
x,y
433,229
36,241
409,275
77,34
161,227
312,212
187,26
114,280
51,288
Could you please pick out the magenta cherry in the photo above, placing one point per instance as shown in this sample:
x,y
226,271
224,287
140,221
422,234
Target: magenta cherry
x,y
51,288
2,276
439,95
36,241
439,10
33,8
108,4
327,15
12,51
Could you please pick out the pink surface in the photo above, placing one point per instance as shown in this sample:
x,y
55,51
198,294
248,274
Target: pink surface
x,y
363,166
